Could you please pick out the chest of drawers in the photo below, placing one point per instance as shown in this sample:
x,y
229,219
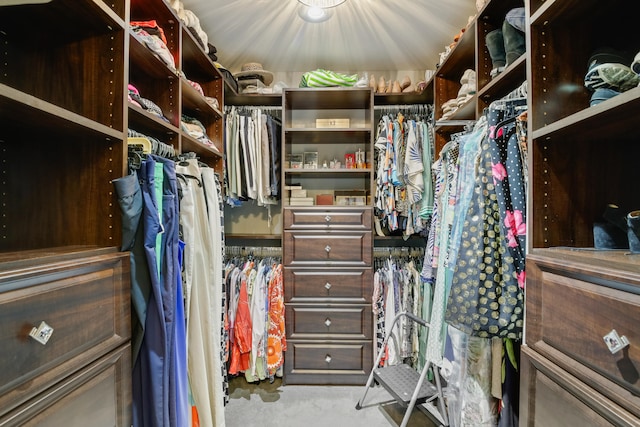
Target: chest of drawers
x,y
328,282
569,375
82,374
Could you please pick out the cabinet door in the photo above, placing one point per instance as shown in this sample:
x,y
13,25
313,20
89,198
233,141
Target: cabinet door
x,y
98,395
551,397
85,301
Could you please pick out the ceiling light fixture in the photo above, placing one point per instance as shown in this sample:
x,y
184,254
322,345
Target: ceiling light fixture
x,y
323,4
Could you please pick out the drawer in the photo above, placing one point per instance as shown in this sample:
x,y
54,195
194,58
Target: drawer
x,y
305,285
327,363
570,310
86,302
331,248
551,397
327,218
98,395
329,322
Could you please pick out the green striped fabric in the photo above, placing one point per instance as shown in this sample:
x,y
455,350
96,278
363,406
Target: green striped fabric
x,y
324,78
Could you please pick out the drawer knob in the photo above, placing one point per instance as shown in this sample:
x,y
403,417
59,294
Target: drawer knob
x,y
41,333
327,286
615,342
327,322
327,248
327,358
327,218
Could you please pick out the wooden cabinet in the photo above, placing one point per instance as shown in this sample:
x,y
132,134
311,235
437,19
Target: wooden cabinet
x,y
576,297
62,142
581,158
327,250
83,295
328,281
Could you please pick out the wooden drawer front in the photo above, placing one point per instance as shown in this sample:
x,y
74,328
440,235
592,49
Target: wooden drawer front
x,y
551,397
353,219
330,249
86,304
575,315
98,395
328,285
328,363
329,322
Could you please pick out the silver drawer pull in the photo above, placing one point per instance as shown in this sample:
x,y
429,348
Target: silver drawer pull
x,y
327,286
327,358
327,248
327,218
42,333
327,322
615,342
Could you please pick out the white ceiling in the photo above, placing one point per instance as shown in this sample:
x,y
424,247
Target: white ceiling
x,y
361,36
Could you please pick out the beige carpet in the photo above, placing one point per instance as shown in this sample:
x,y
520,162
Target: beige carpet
x,y
275,405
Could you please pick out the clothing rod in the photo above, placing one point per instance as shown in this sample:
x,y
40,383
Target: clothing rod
x,y
227,108
401,107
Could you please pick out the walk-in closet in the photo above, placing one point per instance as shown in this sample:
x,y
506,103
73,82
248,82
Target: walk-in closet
x,y
319,213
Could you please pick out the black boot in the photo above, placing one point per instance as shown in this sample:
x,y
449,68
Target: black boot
x,y
612,232
514,42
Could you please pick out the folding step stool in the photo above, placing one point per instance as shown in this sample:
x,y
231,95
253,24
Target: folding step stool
x,y
406,385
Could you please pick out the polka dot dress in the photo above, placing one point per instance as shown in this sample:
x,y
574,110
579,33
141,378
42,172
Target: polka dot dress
x,y
487,290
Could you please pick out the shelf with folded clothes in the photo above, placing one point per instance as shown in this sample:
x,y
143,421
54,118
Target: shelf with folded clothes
x,y
200,70
196,100
141,119
158,20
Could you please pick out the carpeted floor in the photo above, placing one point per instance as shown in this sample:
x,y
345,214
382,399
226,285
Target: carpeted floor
x,y
275,405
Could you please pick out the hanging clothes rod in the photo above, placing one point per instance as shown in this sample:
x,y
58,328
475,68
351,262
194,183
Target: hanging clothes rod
x,y
228,108
408,107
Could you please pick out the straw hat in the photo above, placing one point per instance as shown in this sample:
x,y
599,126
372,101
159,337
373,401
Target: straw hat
x,y
254,69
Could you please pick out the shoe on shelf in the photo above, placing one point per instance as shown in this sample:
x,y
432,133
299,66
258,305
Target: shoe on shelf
x,y
633,232
382,85
611,76
602,94
468,75
635,65
406,82
612,231
495,71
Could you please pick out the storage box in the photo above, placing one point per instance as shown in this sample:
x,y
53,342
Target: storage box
x,y
296,161
351,197
332,123
324,199
250,85
311,160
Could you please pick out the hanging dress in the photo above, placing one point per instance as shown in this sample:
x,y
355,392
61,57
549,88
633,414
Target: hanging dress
x,y
486,297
